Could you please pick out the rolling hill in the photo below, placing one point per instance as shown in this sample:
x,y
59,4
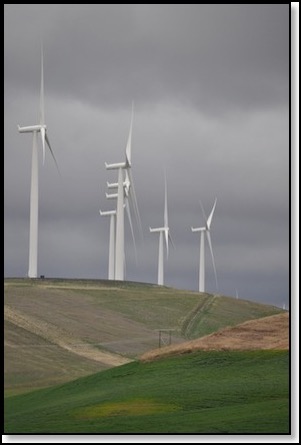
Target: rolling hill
x,y
264,333
206,392
57,330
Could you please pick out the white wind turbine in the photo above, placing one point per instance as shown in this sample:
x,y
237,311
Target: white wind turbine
x,y
161,230
127,197
203,230
121,188
34,191
112,214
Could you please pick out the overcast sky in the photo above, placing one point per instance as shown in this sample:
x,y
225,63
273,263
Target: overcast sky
x,y
210,84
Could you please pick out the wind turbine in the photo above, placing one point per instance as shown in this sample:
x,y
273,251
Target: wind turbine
x,y
161,230
129,188
203,230
112,214
126,204
34,190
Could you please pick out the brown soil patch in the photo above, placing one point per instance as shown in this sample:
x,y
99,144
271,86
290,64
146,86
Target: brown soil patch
x,y
265,333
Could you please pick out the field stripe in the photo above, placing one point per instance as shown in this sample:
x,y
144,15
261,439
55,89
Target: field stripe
x,y
61,338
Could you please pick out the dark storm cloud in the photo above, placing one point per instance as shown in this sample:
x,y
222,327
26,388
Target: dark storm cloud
x,y
214,57
210,86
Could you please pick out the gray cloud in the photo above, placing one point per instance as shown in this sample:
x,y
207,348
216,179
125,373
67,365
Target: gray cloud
x,y
210,85
214,57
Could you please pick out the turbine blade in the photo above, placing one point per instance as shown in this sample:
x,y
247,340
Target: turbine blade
x,y
128,150
43,142
127,182
166,241
133,198
211,215
124,265
48,143
128,211
203,211
42,112
165,204
171,240
212,257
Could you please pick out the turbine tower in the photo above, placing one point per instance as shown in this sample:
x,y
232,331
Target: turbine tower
x,y
161,230
111,269
203,230
34,190
121,166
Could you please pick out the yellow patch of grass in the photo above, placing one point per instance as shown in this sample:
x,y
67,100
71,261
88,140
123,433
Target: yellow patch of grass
x,y
140,407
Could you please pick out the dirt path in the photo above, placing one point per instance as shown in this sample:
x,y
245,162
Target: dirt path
x,y
197,314
62,338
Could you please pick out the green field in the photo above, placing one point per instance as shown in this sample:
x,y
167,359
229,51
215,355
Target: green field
x,y
205,392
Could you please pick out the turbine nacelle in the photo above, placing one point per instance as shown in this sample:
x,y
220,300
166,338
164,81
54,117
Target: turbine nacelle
x,y
159,229
126,184
116,166
114,185
198,229
111,195
31,128
37,128
164,230
115,195
107,213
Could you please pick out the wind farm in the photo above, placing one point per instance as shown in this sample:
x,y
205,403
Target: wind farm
x,y
146,288
125,197
123,192
202,326
178,124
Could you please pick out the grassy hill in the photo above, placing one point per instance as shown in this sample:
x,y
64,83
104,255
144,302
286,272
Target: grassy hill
x,y
264,333
57,330
207,392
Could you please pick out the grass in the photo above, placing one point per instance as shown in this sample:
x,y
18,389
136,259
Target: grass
x,y
31,362
193,314
241,392
215,312
120,317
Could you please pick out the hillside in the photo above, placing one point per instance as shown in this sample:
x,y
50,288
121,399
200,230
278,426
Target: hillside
x,y
56,330
265,333
207,392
